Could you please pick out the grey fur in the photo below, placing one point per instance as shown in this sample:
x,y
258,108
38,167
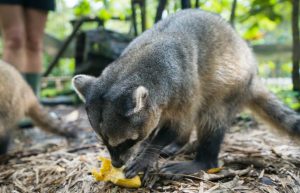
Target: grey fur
x,y
198,73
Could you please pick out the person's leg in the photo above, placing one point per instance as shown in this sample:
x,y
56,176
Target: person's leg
x,y
13,35
35,21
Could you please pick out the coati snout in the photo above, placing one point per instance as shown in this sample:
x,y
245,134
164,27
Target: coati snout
x,y
121,116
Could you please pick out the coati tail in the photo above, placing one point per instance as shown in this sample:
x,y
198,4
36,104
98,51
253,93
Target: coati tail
x,y
43,119
270,108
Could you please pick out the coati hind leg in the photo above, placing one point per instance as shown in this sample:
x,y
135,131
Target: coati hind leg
x,y
173,148
178,143
207,151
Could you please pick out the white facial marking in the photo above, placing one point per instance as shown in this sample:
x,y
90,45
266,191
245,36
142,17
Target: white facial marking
x,y
139,94
74,79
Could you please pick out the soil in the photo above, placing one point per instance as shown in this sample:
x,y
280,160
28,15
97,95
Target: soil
x,y
252,159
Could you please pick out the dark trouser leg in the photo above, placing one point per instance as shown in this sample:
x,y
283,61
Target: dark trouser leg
x,y
4,141
206,156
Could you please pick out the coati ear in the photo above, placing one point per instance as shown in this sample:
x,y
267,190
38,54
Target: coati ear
x,y
81,83
140,95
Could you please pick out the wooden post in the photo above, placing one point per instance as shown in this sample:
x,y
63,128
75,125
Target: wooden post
x,y
160,8
134,23
185,4
232,15
296,46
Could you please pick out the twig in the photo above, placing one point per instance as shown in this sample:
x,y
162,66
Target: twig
x,y
257,163
73,150
5,158
230,173
213,177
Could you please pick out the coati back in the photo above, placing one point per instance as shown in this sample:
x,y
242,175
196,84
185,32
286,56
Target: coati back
x,y
18,100
191,70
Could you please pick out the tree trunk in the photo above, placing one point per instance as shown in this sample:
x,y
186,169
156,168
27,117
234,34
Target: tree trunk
x,y
185,4
143,14
160,8
296,46
134,22
197,4
232,15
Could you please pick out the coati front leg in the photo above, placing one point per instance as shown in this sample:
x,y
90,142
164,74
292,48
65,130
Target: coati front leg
x,y
206,155
151,149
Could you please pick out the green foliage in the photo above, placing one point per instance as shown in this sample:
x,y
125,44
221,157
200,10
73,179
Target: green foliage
x,y
65,67
104,9
259,17
286,68
104,14
83,8
288,96
52,91
58,23
258,21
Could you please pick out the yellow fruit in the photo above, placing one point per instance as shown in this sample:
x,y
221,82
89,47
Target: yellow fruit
x,y
108,172
214,170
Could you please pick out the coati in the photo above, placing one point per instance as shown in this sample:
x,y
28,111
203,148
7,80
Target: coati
x,y
191,70
17,100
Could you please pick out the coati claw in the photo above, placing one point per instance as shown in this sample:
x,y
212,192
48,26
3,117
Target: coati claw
x,y
145,175
134,167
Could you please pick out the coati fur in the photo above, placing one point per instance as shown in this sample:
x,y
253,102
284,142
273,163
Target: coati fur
x,y
17,100
191,70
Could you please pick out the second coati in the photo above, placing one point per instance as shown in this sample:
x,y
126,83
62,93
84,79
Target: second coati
x,y
17,100
191,70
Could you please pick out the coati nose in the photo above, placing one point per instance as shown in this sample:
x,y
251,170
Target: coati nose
x,y
117,163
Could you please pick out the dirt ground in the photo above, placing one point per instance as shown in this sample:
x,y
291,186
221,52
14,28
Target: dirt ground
x,y
253,159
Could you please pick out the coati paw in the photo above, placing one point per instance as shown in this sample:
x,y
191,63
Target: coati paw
x,y
178,170
68,131
135,166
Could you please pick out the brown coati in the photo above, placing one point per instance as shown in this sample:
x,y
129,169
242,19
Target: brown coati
x,y
18,100
191,70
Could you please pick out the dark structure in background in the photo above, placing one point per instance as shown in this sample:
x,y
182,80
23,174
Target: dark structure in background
x,y
95,49
87,41
160,8
185,4
141,4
